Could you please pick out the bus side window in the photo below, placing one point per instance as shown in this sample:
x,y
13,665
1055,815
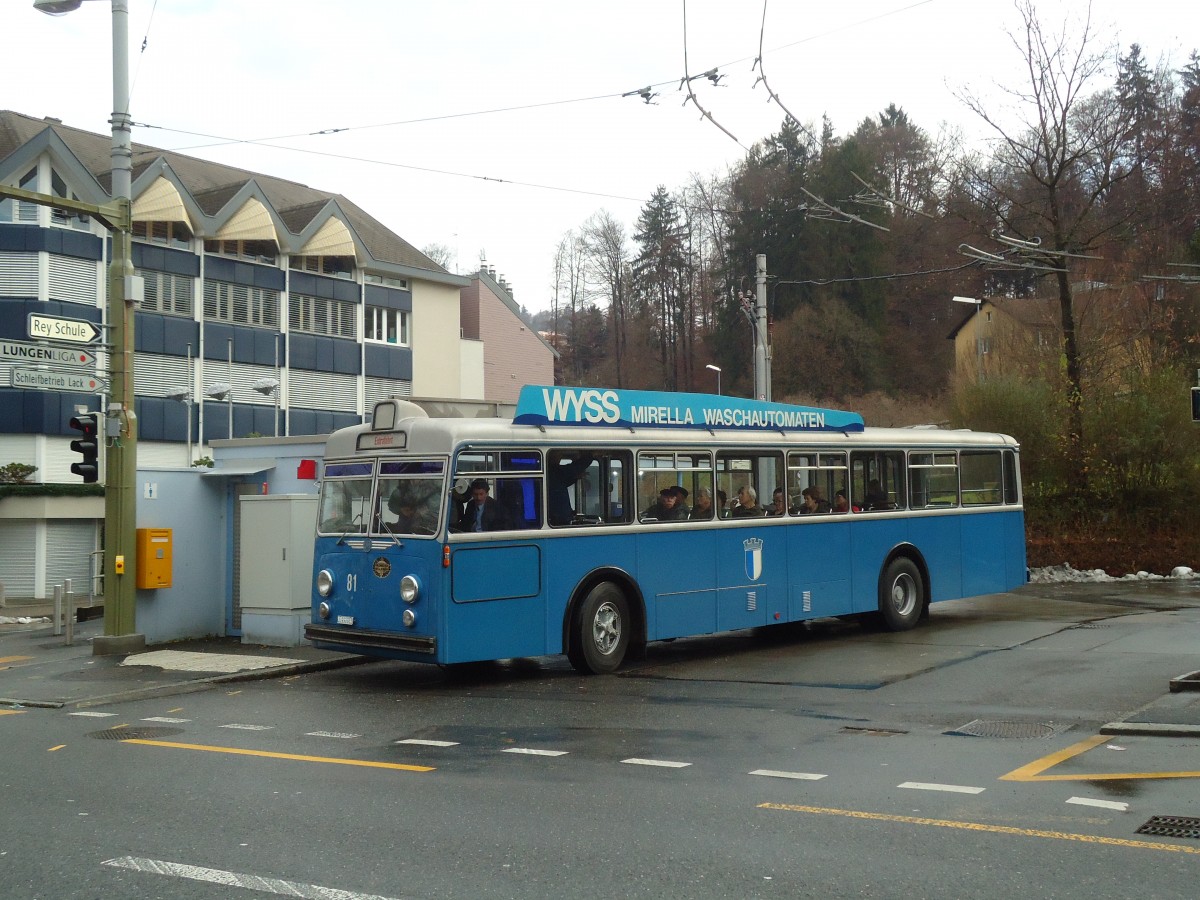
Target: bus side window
x,y
519,497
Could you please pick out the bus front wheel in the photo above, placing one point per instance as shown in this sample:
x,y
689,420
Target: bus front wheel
x,y
600,634
901,595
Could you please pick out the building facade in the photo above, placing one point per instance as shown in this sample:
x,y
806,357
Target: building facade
x,y
266,308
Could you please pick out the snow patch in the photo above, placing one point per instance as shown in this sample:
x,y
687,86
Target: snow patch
x,y
1064,573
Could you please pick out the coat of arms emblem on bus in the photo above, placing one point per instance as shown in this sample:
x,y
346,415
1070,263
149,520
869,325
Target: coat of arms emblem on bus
x,y
753,548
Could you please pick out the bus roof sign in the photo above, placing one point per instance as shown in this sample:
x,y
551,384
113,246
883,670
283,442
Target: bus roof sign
x,y
538,405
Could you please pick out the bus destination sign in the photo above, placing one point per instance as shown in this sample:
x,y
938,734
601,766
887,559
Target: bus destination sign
x,y
538,405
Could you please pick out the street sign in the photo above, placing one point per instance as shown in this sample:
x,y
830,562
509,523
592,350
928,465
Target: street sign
x,y
57,328
40,353
48,380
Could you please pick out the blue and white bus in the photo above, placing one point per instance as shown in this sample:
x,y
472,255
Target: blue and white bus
x,y
596,521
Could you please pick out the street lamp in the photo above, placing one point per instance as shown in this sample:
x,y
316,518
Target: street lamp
x,y
267,387
120,500
978,304
716,369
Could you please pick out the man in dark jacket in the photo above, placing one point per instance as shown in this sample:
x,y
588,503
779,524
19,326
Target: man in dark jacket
x,y
482,513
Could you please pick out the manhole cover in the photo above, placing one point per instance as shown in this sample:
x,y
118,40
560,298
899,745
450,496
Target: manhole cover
x,y
1172,826
1000,728
134,734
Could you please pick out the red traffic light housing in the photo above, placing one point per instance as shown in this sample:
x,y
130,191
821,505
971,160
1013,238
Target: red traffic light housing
x,y
87,446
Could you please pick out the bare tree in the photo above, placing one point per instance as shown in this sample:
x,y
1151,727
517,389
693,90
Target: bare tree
x,y
608,260
441,254
1046,184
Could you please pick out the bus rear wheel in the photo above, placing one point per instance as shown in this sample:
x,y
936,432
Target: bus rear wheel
x,y
600,633
901,595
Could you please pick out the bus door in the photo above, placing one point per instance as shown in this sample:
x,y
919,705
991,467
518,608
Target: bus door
x,y
677,551
496,603
752,559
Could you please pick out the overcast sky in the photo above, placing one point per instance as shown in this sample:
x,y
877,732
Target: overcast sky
x,y
495,127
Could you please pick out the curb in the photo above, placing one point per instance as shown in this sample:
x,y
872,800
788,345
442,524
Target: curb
x,y
193,685
1151,729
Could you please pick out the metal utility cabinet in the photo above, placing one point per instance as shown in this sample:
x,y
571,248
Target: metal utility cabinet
x,y
276,549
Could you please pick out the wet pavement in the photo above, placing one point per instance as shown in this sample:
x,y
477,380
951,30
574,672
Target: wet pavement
x,y
41,669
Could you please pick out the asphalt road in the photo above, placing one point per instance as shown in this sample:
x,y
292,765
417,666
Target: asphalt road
x,y
961,759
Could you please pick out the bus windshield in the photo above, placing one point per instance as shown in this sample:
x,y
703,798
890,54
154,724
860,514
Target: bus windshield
x,y
346,499
410,495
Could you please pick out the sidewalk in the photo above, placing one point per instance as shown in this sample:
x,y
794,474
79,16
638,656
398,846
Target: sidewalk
x,y
39,669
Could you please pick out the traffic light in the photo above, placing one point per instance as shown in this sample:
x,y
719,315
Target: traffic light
x,y
88,446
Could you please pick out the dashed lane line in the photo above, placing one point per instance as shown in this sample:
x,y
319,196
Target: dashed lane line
x,y
239,727
948,788
798,776
267,754
87,713
980,826
166,720
341,735
226,878
1102,804
421,742
661,763
531,751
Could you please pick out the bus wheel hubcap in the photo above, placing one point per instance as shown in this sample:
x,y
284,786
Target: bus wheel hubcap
x,y
606,628
904,594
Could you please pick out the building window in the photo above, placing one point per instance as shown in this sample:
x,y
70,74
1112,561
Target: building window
x,y
19,210
386,281
241,305
388,326
317,316
252,251
166,293
169,234
334,266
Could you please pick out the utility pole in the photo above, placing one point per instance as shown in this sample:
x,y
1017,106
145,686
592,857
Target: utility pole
x,y
762,349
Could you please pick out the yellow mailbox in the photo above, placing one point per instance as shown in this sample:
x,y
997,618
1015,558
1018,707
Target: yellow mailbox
x,y
153,558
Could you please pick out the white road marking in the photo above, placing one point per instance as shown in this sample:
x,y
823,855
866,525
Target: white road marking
x,y
166,719
237,879
801,776
1103,804
425,743
532,752
664,763
951,788
248,727
92,715
332,734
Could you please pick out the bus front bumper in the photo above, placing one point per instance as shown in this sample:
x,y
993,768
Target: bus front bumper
x,y
355,641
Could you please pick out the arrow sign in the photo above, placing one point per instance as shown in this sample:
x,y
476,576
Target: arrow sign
x,y
40,353
45,380
56,328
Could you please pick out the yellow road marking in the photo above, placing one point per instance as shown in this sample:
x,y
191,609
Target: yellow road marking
x,y
237,751
11,712
1033,771
59,747
980,826
12,659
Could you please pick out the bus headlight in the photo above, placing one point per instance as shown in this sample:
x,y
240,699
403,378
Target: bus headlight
x,y
324,582
410,588
323,610
409,618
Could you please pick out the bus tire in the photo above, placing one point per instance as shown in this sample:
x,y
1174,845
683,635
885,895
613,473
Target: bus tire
x,y
600,633
901,595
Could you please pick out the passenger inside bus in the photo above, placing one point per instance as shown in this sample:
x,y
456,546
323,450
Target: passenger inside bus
x,y
876,498
779,505
669,506
413,515
746,505
703,507
564,470
482,513
812,501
